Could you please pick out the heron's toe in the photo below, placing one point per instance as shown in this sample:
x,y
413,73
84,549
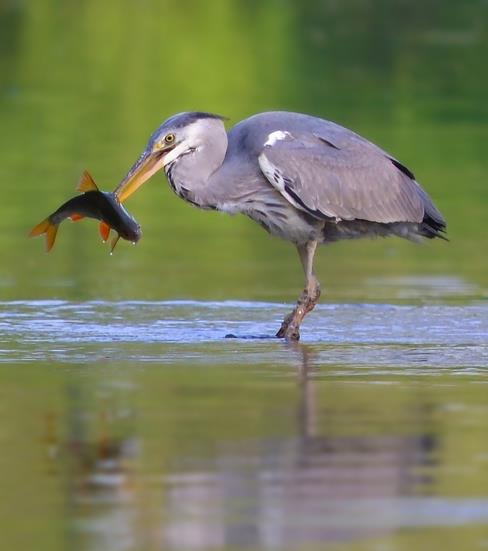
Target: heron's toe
x,y
292,333
281,334
281,331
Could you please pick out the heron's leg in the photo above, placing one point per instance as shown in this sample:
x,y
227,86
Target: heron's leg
x,y
290,328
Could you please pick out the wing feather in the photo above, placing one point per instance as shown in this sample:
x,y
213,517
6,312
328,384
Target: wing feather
x,y
347,181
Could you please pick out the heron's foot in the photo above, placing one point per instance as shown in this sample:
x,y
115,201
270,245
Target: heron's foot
x,y
292,333
283,330
290,327
284,325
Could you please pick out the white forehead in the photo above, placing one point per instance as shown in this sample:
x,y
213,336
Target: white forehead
x,y
200,128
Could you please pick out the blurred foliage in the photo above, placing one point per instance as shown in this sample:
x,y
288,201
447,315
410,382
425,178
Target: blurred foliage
x,y
84,83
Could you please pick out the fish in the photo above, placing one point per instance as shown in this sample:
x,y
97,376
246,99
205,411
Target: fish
x,y
92,203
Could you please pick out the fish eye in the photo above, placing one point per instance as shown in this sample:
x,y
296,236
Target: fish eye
x,y
169,138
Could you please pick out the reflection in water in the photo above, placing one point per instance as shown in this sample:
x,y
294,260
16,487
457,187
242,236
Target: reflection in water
x,y
421,288
98,456
318,485
313,466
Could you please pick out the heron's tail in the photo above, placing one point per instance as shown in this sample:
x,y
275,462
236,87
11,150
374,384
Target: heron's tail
x,y
433,227
433,223
47,227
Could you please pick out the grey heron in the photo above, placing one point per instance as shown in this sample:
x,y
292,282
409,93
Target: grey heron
x,y
302,178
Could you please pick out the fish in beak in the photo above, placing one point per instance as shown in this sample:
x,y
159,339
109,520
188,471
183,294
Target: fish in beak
x,y
92,203
151,160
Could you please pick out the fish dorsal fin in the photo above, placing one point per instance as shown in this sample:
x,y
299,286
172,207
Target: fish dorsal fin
x,y
86,183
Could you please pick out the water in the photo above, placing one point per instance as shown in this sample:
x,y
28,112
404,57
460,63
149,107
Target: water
x,y
127,420
146,428
361,335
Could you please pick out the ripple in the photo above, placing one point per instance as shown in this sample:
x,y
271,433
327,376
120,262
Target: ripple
x,y
403,337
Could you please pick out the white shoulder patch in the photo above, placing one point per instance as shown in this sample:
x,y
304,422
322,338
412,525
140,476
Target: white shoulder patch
x,y
276,178
275,137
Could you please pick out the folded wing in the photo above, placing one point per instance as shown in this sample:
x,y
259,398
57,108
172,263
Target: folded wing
x,y
347,180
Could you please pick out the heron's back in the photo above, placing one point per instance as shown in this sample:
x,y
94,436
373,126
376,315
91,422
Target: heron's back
x,y
246,143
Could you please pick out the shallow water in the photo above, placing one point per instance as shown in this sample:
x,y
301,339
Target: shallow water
x,y
143,427
402,336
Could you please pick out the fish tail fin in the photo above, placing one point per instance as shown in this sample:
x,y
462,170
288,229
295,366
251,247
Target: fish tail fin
x,y
51,236
104,230
40,228
86,183
47,227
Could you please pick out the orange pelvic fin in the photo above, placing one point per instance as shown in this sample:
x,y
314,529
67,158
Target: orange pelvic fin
x,y
104,230
86,183
76,217
47,227
114,242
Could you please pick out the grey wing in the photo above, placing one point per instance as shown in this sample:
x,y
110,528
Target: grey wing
x,y
343,181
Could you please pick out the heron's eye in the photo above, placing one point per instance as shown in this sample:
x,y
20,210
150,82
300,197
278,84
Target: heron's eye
x,y
169,138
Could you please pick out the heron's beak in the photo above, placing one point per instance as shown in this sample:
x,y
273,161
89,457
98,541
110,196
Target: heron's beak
x,y
147,165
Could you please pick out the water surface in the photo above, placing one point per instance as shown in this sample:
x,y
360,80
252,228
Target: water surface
x,y
142,427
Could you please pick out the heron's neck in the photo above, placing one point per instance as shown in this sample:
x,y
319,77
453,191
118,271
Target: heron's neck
x,y
195,176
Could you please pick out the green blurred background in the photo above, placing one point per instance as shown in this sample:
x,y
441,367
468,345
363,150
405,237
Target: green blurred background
x,y
84,83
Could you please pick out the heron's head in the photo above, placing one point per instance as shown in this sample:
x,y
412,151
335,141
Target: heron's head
x,y
178,136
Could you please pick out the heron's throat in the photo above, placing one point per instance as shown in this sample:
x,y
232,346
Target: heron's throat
x,y
187,182
192,174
